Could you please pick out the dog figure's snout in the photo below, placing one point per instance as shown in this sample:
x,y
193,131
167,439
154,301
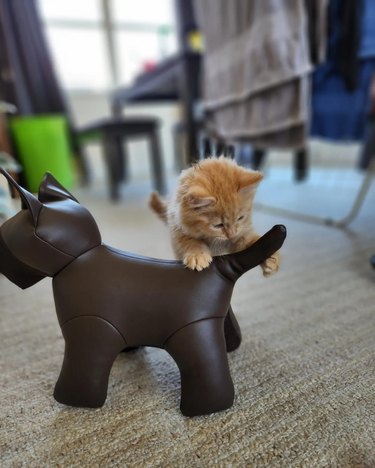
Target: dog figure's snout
x,y
16,271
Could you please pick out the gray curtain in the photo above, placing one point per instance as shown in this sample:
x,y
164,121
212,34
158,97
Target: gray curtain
x,y
28,75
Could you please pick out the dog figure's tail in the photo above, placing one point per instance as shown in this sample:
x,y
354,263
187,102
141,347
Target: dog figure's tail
x,y
158,206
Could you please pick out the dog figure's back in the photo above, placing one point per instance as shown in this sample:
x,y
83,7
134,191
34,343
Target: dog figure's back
x,y
108,300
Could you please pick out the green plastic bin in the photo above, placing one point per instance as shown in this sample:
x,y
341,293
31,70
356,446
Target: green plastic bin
x,y
42,144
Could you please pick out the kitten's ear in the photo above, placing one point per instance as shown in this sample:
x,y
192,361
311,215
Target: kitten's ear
x,y
29,202
51,190
196,200
249,182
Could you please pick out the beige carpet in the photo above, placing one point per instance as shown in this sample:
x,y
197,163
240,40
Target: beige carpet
x,y
304,375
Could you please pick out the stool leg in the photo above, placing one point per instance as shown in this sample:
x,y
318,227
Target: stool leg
x,y
258,159
220,148
301,164
123,150
207,150
157,164
230,151
113,156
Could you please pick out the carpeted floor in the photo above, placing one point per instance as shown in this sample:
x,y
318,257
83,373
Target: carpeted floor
x,y
304,375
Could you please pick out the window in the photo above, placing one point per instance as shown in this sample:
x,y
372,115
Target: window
x,y
98,44
151,12
80,57
143,33
81,10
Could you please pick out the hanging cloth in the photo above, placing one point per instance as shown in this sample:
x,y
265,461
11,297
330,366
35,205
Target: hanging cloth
x,y
256,69
340,86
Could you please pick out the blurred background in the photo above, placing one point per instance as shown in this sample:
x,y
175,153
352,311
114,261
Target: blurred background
x,y
119,97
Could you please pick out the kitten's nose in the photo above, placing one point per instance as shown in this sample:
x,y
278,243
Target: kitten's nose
x,y
230,232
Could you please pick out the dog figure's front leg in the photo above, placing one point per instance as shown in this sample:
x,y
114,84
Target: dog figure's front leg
x,y
199,350
91,346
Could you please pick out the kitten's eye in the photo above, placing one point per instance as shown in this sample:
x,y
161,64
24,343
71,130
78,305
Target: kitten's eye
x,y
241,217
218,226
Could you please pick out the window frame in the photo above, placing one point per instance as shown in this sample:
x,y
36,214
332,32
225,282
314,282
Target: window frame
x,y
109,27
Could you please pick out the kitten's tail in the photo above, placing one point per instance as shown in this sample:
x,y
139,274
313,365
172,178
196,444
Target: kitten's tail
x,y
158,206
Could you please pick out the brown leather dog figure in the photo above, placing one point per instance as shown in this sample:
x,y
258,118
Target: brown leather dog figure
x,y
108,300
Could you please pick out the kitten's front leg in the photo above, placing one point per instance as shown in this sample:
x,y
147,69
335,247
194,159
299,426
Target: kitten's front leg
x,y
194,253
198,256
197,261
269,266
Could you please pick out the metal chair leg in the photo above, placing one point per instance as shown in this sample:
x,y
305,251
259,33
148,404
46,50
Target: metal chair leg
x,y
207,150
230,151
301,163
339,223
258,158
220,146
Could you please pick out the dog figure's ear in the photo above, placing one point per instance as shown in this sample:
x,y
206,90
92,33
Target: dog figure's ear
x,y
51,190
29,201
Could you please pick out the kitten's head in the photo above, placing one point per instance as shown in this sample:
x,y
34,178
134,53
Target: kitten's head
x,y
216,199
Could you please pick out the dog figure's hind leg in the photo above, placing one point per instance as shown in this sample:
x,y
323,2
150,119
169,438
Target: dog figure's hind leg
x,y
199,350
232,331
91,346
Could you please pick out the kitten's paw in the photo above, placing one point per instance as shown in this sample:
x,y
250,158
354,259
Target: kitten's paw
x,y
271,265
197,261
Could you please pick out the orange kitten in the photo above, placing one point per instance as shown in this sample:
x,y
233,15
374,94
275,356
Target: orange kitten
x,y
211,213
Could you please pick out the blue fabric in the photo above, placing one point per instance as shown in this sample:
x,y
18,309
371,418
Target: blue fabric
x,y
339,114
367,45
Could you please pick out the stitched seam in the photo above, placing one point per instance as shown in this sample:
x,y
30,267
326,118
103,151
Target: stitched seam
x,y
191,323
38,215
141,257
43,240
100,318
75,258
48,243
59,250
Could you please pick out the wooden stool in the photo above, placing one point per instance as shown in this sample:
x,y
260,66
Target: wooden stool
x,y
112,133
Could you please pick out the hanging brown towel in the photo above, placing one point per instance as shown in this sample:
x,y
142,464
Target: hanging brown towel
x,y
256,68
